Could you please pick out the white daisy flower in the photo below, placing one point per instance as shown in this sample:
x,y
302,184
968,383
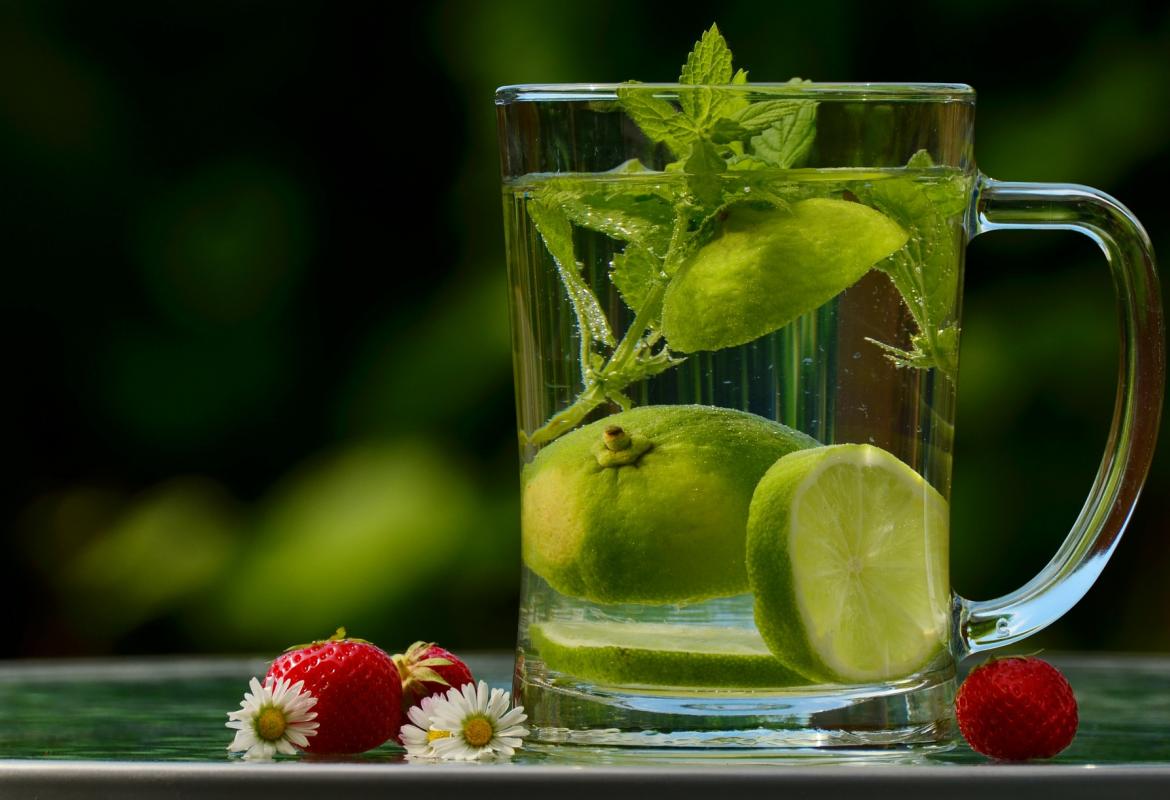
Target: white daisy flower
x,y
470,724
272,718
417,738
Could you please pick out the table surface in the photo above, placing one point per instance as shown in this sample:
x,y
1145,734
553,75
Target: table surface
x,y
155,727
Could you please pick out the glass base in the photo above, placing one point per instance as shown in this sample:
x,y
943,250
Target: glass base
x,y
912,714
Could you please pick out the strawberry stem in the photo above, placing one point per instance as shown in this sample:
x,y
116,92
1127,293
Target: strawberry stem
x,y
338,636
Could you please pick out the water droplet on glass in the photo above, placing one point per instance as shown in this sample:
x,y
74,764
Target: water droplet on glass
x,y
856,356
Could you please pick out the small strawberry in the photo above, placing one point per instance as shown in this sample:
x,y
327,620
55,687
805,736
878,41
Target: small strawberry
x,y
1016,708
428,669
358,691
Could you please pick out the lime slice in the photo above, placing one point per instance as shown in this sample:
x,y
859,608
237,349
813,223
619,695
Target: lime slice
x,y
766,268
661,655
847,557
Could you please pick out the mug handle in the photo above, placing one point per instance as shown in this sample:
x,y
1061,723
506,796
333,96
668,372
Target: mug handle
x,y
1003,205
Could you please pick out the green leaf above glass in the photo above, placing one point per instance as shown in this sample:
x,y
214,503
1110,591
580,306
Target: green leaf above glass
x,y
735,325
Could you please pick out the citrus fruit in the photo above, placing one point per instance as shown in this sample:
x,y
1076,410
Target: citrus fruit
x,y
661,655
847,556
649,505
765,268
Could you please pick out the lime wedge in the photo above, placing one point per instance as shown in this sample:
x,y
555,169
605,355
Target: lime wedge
x,y
661,655
766,268
847,557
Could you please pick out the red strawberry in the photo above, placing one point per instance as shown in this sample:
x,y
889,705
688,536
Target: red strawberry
x,y
358,691
428,669
1016,708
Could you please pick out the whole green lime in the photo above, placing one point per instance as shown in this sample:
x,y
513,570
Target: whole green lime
x,y
649,505
767,267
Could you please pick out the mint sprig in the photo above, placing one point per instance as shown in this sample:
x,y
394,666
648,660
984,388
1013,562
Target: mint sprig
x,y
786,141
712,130
707,65
925,271
777,133
658,119
557,233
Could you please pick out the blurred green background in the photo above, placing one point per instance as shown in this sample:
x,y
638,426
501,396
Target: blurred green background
x,y
255,325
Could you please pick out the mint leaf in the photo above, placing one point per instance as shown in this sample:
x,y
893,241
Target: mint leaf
x,y
708,64
920,160
925,272
949,196
703,167
618,212
636,272
726,130
927,277
557,233
787,139
630,166
758,117
940,350
658,119
728,103
746,162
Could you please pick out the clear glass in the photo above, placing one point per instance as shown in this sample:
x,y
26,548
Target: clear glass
x,y
687,309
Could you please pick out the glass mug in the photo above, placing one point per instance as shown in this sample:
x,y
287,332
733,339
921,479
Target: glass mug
x,y
735,356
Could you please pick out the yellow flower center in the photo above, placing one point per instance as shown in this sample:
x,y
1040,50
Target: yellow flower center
x,y
477,731
432,735
270,724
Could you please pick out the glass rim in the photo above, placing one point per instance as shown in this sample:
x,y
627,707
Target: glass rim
x,y
868,92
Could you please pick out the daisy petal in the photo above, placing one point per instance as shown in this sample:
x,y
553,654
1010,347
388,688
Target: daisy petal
x,y
516,715
419,717
498,703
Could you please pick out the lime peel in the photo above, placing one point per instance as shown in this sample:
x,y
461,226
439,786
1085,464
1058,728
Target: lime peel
x,y
663,520
769,266
661,655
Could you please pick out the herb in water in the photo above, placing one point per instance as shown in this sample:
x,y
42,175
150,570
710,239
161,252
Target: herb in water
x,y
727,151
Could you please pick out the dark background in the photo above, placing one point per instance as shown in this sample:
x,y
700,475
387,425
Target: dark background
x,y
255,333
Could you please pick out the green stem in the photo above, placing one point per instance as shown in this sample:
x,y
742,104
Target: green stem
x,y
568,418
606,383
641,323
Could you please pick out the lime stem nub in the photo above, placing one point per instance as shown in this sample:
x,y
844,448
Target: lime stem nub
x,y
616,438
